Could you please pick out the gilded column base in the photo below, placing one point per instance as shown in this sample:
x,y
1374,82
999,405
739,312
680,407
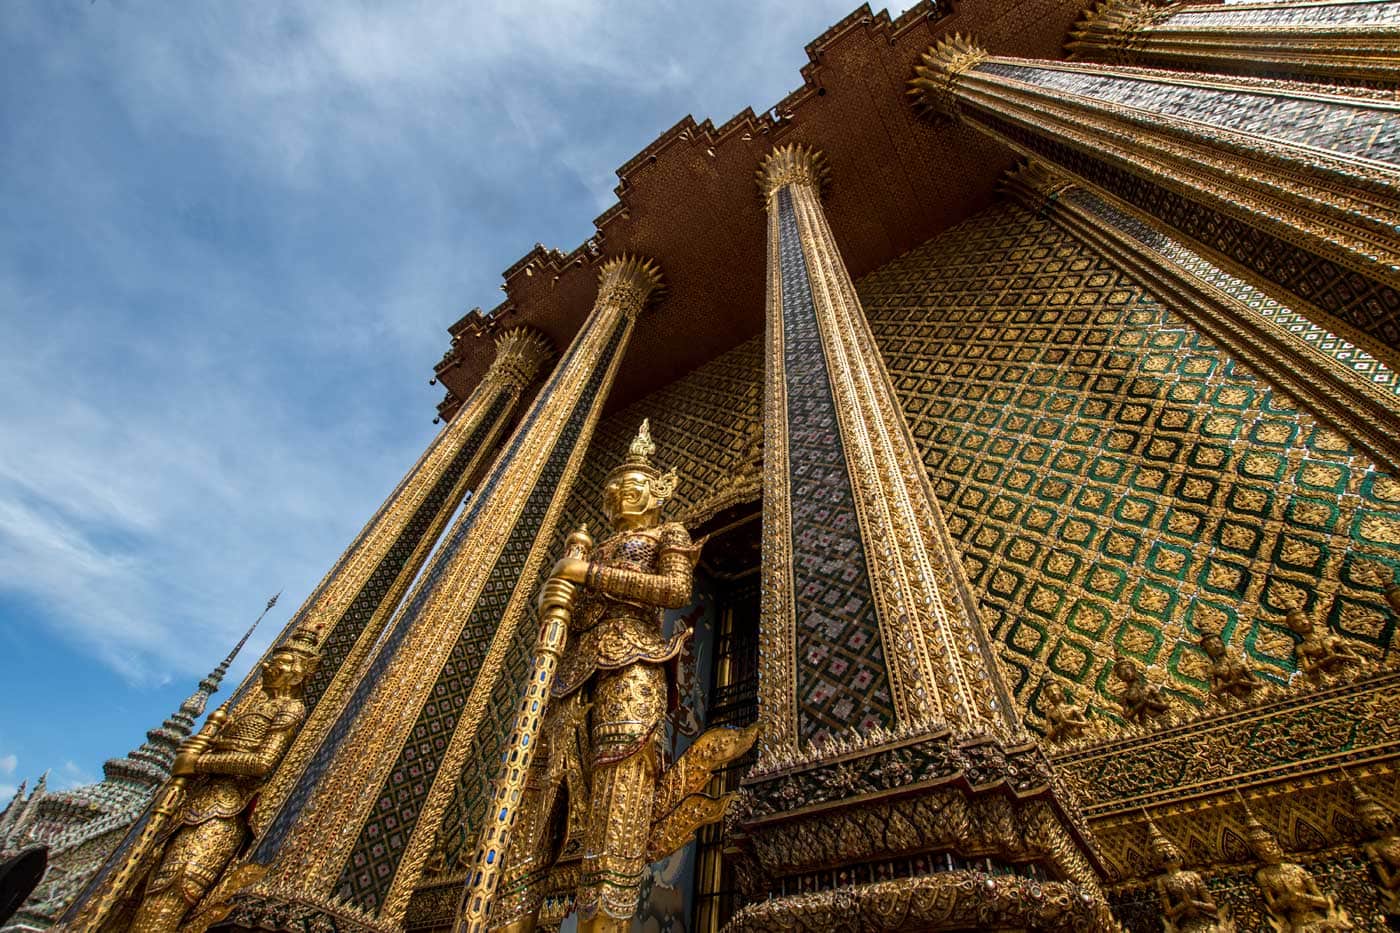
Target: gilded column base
x,y
921,815
955,900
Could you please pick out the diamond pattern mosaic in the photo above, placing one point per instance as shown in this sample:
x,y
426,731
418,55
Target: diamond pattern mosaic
x,y
372,863
1343,351
841,678
1372,132
1366,304
1114,481
1015,351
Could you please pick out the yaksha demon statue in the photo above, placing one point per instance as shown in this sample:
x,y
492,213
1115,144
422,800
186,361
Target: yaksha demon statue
x,y
222,777
596,785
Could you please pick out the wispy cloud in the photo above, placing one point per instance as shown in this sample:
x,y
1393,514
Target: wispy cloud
x,y
235,234
70,776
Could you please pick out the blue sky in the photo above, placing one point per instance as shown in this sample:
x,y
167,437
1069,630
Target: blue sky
x,y
234,235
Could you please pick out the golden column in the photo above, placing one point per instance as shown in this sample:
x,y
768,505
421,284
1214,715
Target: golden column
x,y
1318,40
347,611
1344,378
473,435
844,482
350,838
1296,184
888,737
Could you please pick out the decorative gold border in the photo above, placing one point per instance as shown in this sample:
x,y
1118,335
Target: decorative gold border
x,y
777,689
1137,32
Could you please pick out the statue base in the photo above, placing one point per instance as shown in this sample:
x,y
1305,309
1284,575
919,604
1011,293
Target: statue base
x,y
929,832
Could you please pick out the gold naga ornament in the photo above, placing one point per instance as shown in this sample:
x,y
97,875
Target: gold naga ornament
x,y
199,821
582,778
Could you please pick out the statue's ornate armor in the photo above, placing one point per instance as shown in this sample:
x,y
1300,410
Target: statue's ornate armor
x,y
1188,903
1295,902
602,742
210,828
618,618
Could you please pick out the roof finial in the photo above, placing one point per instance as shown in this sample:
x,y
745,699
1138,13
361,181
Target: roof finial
x,y
210,684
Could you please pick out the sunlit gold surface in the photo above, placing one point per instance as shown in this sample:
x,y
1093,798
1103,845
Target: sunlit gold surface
x,y
592,750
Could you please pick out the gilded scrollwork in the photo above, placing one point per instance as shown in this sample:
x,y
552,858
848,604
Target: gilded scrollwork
x,y
963,900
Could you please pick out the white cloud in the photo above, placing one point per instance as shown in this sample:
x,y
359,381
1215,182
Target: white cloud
x,y
229,266
8,763
71,776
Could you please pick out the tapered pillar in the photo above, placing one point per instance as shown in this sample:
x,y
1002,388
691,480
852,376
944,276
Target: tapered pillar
x,y
1296,184
869,610
350,615
1342,377
1314,40
350,839
888,732
349,608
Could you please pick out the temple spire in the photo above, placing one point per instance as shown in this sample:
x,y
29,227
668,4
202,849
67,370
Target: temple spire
x,y
150,764
210,684
11,814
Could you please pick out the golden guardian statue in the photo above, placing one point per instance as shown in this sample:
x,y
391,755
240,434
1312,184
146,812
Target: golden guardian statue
x,y
596,787
221,777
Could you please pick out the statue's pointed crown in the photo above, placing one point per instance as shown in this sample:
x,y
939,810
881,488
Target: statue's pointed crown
x,y
638,459
305,643
1161,844
1255,831
1364,804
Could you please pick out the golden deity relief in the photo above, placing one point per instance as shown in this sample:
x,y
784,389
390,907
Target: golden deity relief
x,y
598,788
1187,904
1295,901
216,778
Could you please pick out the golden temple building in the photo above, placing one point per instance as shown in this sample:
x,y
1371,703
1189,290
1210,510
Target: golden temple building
x,y
963,497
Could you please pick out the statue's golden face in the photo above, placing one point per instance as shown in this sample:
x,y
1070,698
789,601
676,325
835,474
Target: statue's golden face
x,y
1266,849
1168,857
283,669
629,500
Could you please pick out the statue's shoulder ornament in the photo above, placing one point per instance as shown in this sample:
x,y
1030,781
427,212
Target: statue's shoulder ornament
x,y
676,539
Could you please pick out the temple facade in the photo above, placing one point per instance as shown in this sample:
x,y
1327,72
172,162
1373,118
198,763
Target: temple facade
x,y
1030,379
